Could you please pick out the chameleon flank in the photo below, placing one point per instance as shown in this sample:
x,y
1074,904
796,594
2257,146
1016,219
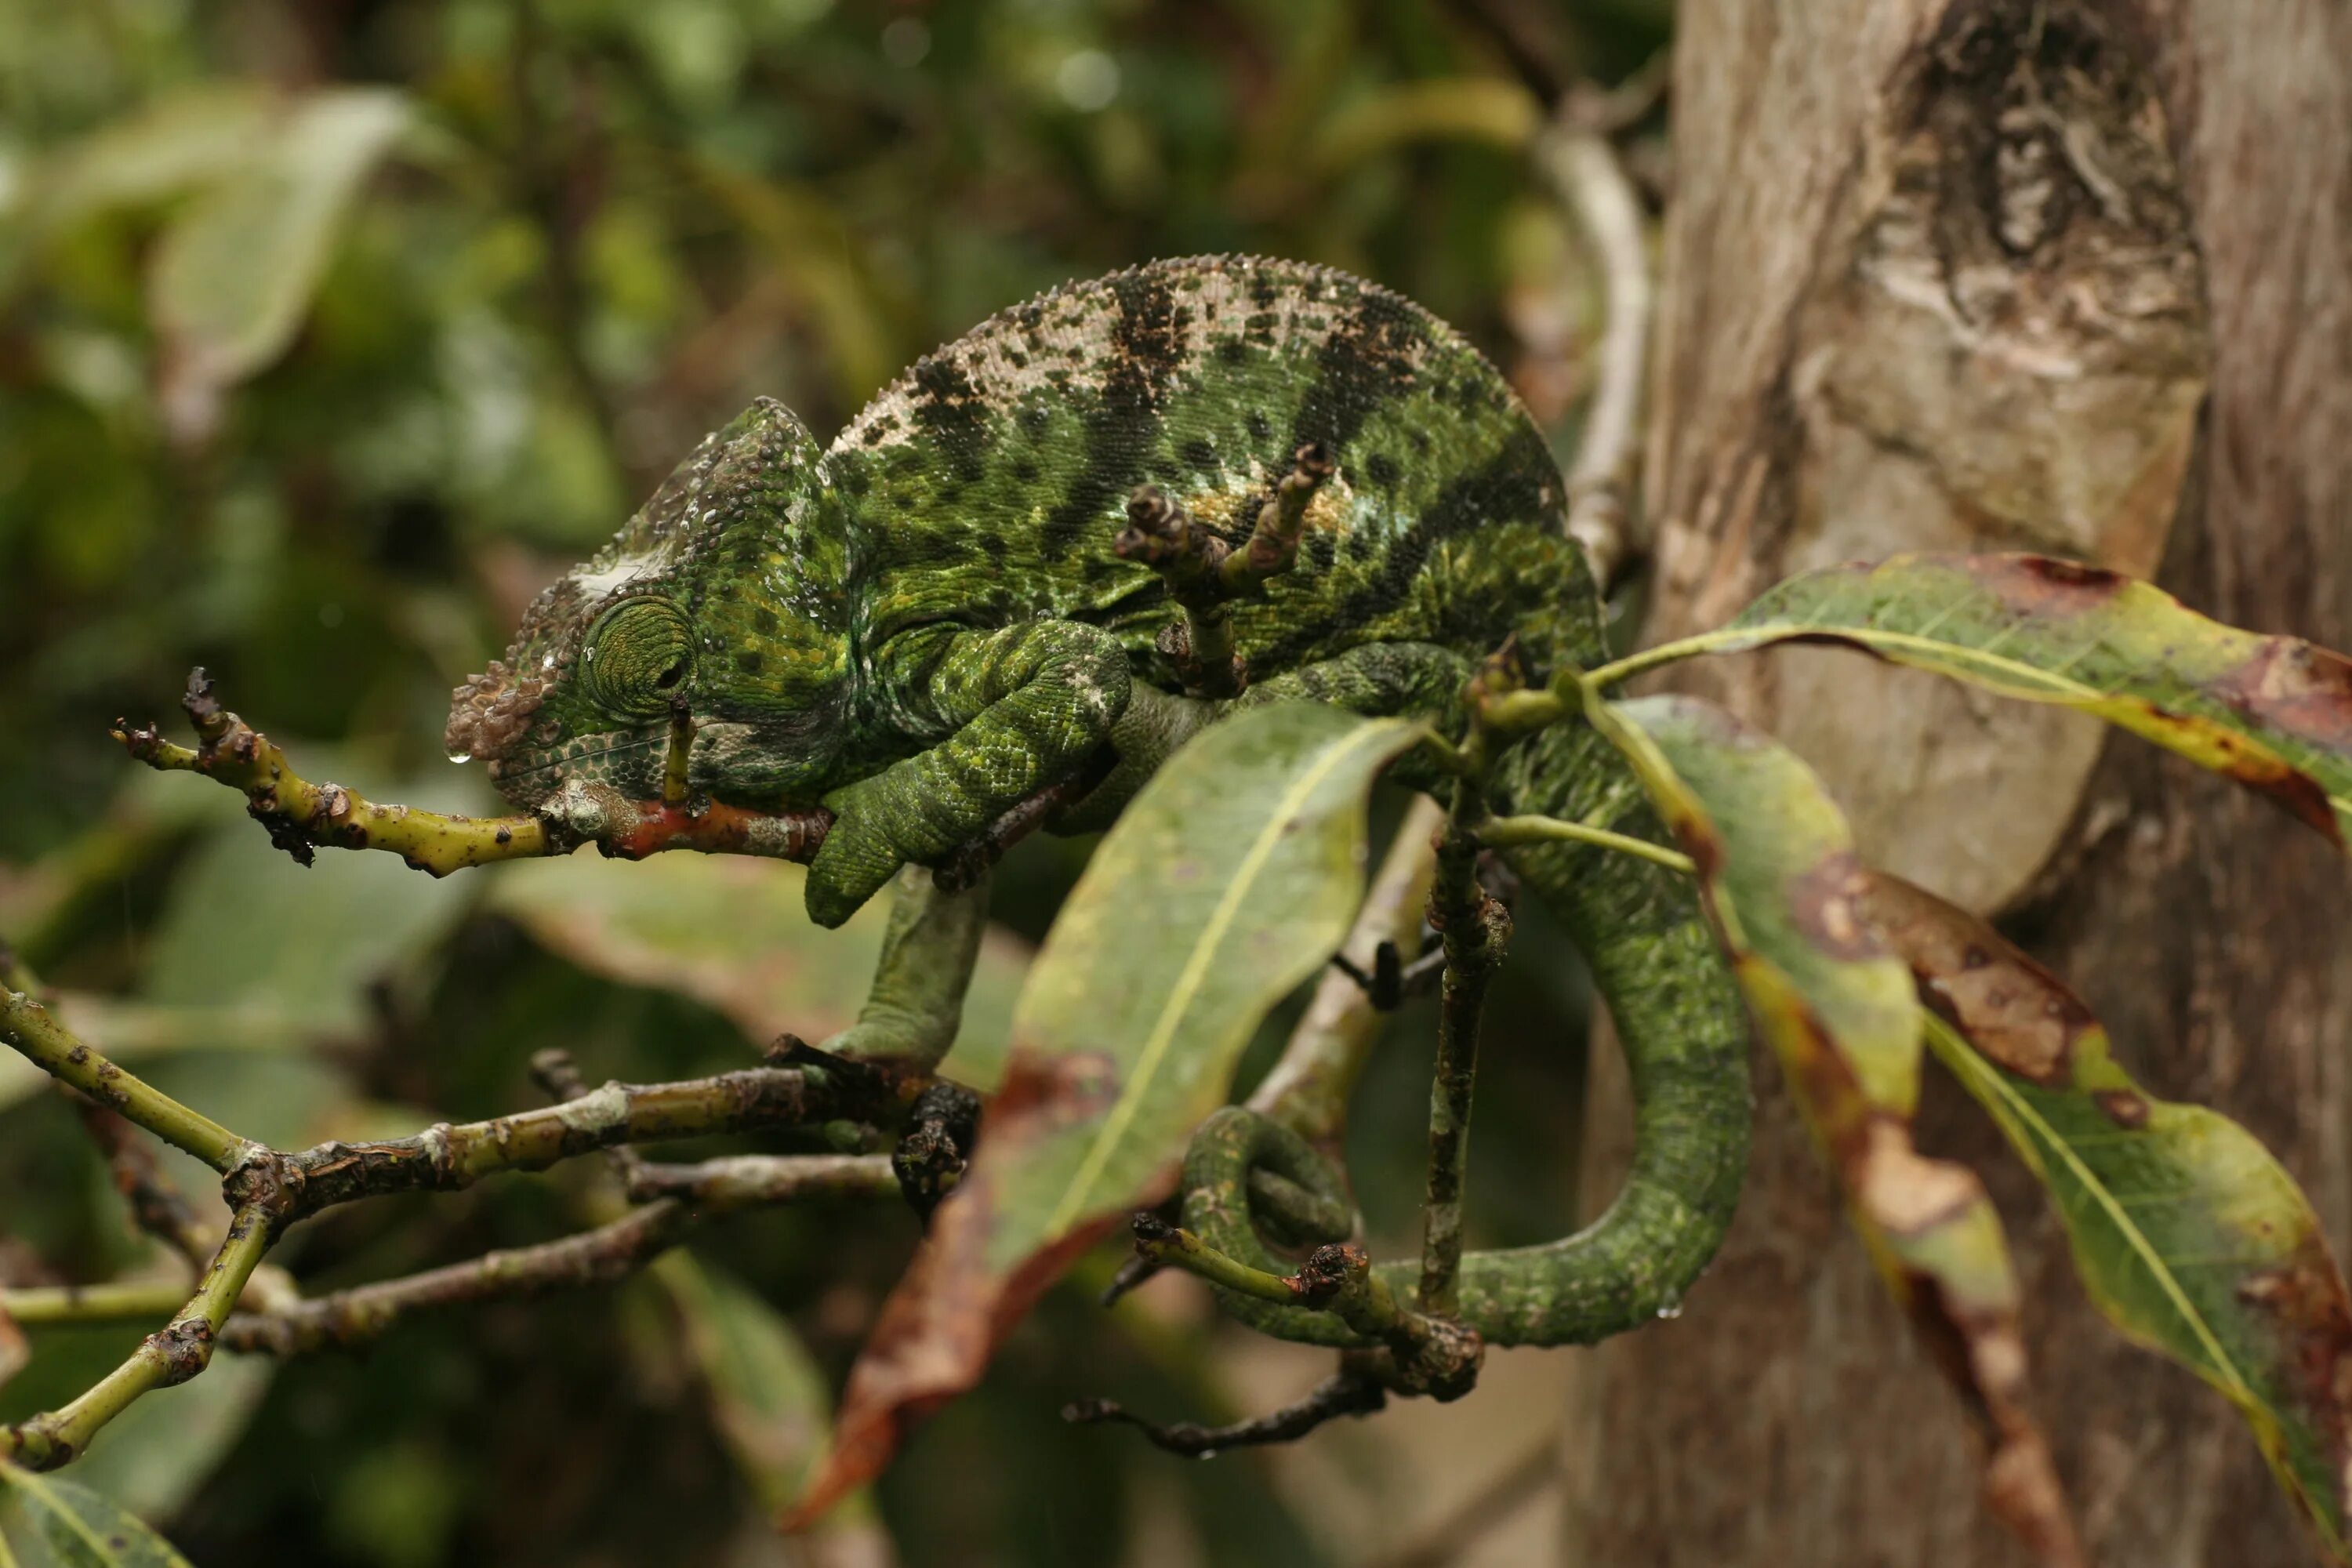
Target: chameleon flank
x,y
925,625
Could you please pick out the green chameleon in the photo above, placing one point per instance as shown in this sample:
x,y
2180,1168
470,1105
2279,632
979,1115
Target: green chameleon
x,y
924,626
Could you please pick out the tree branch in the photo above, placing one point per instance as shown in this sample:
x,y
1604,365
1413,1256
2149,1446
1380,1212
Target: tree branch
x,y
156,1206
172,1354
1343,1394
1311,1085
35,1033
302,816
348,1319
1583,169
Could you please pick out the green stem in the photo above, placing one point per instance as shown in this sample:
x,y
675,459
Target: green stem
x,y
37,1035
1666,653
39,1306
1511,832
170,1355
1166,1245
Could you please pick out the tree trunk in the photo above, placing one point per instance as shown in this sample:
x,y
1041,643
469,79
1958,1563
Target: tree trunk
x,y
2073,276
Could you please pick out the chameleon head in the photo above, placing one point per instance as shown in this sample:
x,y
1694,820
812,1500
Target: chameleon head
x,y
722,596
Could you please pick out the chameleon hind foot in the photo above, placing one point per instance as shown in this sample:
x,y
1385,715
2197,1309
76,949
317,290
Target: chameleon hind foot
x,y
1204,571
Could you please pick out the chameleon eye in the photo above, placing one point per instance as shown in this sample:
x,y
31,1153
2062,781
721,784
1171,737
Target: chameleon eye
x,y
637,657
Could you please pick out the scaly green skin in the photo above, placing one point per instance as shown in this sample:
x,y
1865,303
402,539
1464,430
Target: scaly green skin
x,y
924,625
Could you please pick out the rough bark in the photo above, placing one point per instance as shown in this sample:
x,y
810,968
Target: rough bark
x,y
2073,276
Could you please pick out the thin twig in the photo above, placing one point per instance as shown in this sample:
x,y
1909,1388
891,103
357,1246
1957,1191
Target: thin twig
x,y
741,1181
302,816
172,1354
270,1189
1311,1085
447,1158
351,1317
156,1206
35,1034
1342,1394
1477,929
1584,170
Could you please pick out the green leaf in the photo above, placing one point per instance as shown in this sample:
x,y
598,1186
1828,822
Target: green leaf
x,y
2275,713
49,1524
1776,869
1229,880
768,1396
247,933
234,272
176,141
2188,1235
734,935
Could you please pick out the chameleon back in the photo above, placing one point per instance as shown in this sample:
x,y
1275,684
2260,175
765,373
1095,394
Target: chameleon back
x,y
986,484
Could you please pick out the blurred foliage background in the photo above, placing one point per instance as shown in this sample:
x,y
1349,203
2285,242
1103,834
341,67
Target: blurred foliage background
x,y
330,331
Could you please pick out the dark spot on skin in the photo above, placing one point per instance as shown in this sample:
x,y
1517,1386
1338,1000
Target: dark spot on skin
x,y
1147,346
1025,471
748,661
1233,350
1259,429
763,621
1201,454
1364,364
1382,469
1032,418
2123,1107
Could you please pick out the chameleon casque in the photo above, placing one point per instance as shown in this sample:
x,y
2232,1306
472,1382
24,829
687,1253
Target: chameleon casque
x,y
924,625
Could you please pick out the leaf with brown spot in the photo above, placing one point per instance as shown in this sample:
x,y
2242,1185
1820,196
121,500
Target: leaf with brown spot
x,y
1125,1038
2187,1234
1777,873
2274,712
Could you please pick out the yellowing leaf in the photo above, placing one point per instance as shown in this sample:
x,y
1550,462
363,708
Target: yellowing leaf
x,y
1776,866
1231,878
46,1522
2275,713
2187,1234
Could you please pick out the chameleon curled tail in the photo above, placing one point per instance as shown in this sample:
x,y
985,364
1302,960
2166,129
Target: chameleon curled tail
x,y
1683,1033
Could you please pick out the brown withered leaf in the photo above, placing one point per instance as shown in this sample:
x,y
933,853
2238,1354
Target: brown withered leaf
x,y
1776,869
2188,1235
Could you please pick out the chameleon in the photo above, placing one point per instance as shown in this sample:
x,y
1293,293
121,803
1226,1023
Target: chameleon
x,y
923,625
